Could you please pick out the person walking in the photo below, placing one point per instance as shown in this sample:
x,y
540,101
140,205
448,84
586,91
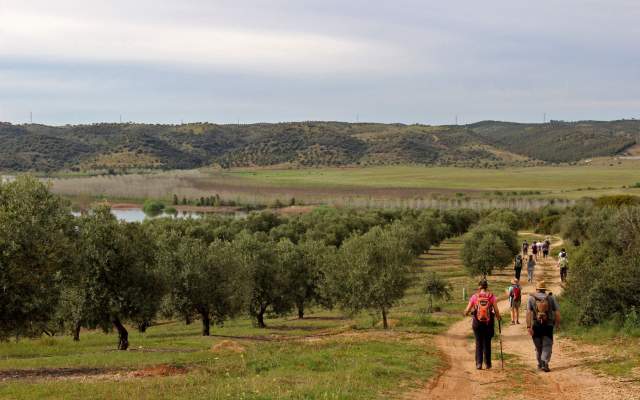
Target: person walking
x,y
534,250
531,265
525,248
517,266
483,306
515,299
543,315
563,264
545,249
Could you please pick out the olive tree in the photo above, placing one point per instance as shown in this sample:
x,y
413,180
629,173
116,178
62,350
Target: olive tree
x,y
121,281
35,241
267,264
488,246
373,271
206,280
307,263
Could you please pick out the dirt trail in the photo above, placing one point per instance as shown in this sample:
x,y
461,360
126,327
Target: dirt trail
x,y
520,379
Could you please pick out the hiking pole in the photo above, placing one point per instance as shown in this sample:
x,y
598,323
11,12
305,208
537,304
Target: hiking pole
x,y
501,355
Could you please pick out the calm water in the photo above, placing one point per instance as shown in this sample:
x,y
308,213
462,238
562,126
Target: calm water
x,y
137,215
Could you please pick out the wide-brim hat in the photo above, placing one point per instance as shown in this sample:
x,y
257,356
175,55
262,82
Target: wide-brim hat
x,y
514,281
541,285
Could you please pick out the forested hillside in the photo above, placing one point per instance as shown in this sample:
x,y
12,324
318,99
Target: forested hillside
x,y
485,144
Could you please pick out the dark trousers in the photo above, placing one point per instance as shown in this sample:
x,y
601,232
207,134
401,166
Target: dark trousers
x,y
518,271
483,334
543,342
563,274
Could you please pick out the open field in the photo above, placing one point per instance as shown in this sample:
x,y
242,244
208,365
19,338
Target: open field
x,y
326,356
412,186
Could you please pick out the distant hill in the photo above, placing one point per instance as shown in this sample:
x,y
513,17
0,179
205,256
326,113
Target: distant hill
x,y
33,147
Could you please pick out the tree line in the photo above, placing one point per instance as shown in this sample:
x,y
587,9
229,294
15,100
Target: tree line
x,y
60,273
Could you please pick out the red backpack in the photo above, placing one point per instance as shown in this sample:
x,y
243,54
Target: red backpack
x,y
516,293
484,307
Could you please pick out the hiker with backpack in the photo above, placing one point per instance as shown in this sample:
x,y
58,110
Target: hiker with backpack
x,y
563,264
531,265
515,299
525,248
543,315
517,266
545,248
563,253
484,309
534,250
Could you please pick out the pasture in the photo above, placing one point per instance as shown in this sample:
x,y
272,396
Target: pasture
x,y
389,186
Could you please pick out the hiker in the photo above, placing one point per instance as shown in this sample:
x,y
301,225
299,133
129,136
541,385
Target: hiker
x,y
534,250
525,248
515,299
563,253
563,264
483,306
531,264
543,314
545,249
517,266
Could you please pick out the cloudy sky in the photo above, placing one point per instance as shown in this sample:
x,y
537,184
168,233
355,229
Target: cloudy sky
x,y
283,60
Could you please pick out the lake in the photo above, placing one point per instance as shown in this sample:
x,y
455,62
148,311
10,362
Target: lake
x,y
137,215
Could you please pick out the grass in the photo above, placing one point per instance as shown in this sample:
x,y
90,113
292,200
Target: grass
x,y
331,369
326,356
548,179
618,345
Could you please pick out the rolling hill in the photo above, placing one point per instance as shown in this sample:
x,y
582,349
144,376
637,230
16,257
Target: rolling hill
x,y
33,147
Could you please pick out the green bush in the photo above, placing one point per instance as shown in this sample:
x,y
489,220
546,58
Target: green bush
x,y
153,207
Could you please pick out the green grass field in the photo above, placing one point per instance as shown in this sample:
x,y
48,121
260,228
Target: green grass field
x,y
326,356
547,179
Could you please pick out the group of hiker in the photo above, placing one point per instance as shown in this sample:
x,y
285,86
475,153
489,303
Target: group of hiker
x,y
541,247
542,310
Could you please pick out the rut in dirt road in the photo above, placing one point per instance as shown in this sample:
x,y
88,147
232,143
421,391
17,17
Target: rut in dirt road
x,y
520,379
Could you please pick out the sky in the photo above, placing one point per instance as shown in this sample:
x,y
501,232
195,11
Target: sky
x,y
422,61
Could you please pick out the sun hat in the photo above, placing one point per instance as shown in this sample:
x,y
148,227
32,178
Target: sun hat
x,y
514,281
541,286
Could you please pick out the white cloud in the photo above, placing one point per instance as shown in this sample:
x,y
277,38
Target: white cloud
x,y
60,38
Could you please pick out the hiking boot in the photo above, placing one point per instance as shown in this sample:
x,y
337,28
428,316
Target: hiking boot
x,y
518,322
478,366
488,366
545,367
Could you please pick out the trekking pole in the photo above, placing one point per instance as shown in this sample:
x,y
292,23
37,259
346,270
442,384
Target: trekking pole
x,y
501,355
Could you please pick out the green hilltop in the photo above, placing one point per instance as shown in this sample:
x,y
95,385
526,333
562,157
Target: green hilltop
x,y
33,147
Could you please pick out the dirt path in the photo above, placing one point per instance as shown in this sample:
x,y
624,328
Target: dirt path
x,y
520,379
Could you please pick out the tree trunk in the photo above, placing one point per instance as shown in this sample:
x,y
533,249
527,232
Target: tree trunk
x,y
142,327
260,317
301,310
385,324
206,324
76,332
123,335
